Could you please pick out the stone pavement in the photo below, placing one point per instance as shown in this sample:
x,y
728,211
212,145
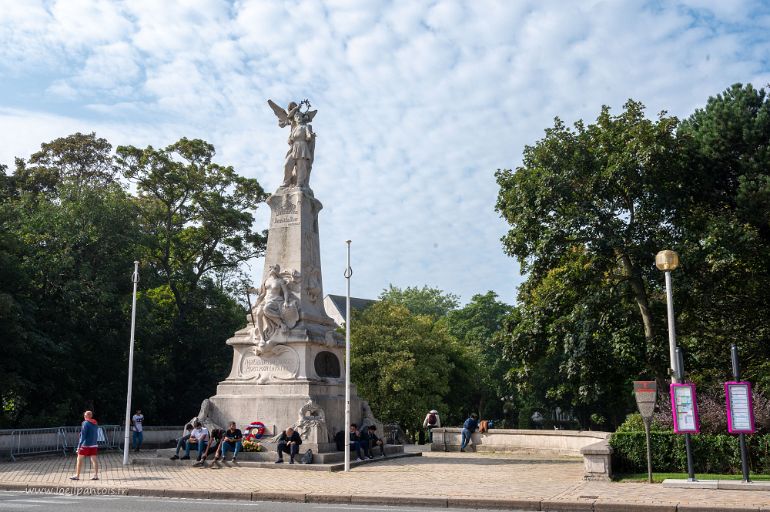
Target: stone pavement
x,y
513,481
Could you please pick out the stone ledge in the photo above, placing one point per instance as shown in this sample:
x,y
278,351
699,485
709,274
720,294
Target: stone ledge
x,y
492,503
619,506
567,506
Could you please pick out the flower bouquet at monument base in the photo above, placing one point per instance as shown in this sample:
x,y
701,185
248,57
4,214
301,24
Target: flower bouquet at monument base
x,y
252,446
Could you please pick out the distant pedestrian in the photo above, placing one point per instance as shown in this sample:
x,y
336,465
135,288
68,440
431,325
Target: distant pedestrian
x,y
136,426
469,427
88,445
431,421
288,443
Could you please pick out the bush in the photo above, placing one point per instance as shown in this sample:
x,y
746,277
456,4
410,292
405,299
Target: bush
x,y
712,453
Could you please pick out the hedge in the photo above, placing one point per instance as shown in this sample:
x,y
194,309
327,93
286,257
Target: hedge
x,y
712,453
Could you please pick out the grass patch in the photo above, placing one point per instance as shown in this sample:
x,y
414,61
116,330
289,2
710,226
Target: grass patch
x,y
659,477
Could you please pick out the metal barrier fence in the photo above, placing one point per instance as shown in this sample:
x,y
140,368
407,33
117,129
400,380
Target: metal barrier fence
x,y
34,441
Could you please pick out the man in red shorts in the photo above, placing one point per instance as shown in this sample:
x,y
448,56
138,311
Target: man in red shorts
x,y
88,445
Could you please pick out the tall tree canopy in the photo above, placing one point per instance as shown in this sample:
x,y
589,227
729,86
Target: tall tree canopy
x,y
591,206
70,233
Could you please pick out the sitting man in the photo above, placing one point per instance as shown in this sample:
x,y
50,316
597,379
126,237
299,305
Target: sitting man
x,y
230,442
375,441
363,441
288,442
182,440
199,438
215,440
355,441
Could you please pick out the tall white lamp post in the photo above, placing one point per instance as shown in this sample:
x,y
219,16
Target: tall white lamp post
x,y
668,261
348,274
135,279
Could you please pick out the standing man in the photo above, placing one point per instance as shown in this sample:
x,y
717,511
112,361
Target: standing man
x,y
88,445
430,422
288,442
469,427
136,425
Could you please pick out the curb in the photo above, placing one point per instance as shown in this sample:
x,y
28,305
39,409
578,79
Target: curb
x,y
592,505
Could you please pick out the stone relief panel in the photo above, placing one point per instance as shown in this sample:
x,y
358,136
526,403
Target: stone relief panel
x,y
282,364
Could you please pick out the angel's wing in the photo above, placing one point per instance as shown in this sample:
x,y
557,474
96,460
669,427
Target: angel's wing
x,y
283,117
310,115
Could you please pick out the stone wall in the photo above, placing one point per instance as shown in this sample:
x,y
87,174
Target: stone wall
x,y
592,446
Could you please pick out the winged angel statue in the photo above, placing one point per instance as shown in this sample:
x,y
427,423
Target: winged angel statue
x,y
299,158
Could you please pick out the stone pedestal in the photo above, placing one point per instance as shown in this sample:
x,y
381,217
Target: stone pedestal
x,y
288,362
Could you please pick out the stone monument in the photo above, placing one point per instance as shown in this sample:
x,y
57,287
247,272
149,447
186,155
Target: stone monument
x,y
288,362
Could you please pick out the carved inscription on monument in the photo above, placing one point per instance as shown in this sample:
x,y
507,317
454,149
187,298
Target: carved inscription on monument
x,y
283,365
286,214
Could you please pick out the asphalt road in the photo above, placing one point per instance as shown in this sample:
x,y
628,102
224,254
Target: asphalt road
x,y
27,502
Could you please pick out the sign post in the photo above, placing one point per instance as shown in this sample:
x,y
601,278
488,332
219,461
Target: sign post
x,y
645,392
684,408
740,410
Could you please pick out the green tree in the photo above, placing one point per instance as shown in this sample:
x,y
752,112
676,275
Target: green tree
x,y
422,301
475,325
197,214
725,247
589,208
402,363
74,237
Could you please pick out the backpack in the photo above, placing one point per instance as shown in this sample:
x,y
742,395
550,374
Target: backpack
x,y
431,419
308,457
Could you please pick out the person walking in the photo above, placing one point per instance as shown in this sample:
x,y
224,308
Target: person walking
x,y
88,446
138,432
469,427
431,421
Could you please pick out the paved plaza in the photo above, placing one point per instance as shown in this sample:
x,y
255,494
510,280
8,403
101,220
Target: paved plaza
x,y
525,482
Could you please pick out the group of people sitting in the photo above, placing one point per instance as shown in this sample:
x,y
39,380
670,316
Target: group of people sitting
x,y
220,440
363,441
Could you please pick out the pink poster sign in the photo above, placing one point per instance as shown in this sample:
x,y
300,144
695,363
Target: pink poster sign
x,y
684,408
740,408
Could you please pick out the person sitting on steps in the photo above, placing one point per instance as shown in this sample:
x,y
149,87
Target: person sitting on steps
x,y
375,441
355,441
199,438
288,442
182,441
231,442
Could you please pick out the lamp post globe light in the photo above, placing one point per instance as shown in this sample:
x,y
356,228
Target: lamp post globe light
x,y
668,261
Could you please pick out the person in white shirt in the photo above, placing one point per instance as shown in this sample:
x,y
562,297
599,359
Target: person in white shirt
x,y
136,425
199,438
430,422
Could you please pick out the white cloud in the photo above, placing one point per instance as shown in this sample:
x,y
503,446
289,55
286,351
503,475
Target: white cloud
x,y
419,101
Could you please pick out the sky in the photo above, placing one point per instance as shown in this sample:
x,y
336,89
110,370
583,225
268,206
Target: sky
x,y
419,102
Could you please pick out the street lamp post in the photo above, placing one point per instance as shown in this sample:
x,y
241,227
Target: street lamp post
x,y
135,280
668,261
348,274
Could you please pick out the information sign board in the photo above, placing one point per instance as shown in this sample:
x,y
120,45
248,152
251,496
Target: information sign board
x,y
645,394
740,408
684,408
